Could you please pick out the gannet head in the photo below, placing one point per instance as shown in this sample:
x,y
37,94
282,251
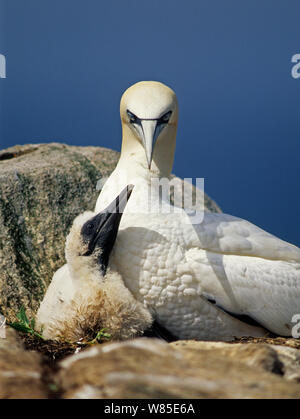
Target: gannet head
x,y
149,113
92,237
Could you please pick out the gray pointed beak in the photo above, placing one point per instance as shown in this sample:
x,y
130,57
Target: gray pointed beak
x,y
151,131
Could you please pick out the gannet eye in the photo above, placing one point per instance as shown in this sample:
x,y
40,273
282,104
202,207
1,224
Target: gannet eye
x,y
165,118
133,119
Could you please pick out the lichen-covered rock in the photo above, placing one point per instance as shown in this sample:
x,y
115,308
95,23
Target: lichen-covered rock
x,y
21,371
43,187
148,368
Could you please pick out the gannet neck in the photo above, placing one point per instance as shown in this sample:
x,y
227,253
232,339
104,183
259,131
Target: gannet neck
x,y
149,116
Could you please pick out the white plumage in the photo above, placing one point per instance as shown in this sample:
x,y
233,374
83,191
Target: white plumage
x,y
181,271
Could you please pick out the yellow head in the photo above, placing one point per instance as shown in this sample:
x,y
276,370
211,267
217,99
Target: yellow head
x,y
149,115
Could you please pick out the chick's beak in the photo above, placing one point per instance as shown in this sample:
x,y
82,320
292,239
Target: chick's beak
x,y
107,223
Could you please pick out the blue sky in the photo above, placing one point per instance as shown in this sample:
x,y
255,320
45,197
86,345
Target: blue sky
x,y
68,62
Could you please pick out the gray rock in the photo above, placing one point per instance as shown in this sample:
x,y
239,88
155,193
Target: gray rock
x,y
282,358
148,368
43,187
260,356
290,359
21,371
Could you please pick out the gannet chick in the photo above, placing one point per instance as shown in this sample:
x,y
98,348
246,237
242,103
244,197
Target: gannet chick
x,y
86,295
194,277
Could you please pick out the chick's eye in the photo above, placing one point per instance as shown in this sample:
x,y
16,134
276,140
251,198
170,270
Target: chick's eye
x,y
133,119
88,230
89,227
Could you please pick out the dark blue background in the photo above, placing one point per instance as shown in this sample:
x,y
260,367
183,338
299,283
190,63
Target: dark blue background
x,y
68,62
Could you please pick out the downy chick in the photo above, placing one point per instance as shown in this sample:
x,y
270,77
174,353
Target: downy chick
x,y
85,295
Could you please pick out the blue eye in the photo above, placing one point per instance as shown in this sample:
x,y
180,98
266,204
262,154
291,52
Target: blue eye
x,y
165,118
133,119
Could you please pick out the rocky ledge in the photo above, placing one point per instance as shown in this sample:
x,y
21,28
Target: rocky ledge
x,y
149,368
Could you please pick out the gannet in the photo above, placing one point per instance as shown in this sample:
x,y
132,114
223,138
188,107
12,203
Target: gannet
x,y
85,295
193,277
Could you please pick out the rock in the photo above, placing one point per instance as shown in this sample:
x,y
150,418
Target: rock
x,y
282,359
21,371
43,187
290,359
148,368
259,356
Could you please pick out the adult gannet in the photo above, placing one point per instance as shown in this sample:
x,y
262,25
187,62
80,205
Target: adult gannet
x,y
84,295
192,276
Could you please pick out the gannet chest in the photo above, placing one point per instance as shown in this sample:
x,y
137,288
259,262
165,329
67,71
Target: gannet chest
x,y
150,255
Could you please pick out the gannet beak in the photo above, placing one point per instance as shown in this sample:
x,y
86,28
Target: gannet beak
x,y
151,131
101,230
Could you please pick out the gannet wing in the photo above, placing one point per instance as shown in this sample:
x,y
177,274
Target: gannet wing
x,y
225,234
193,317
266,290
